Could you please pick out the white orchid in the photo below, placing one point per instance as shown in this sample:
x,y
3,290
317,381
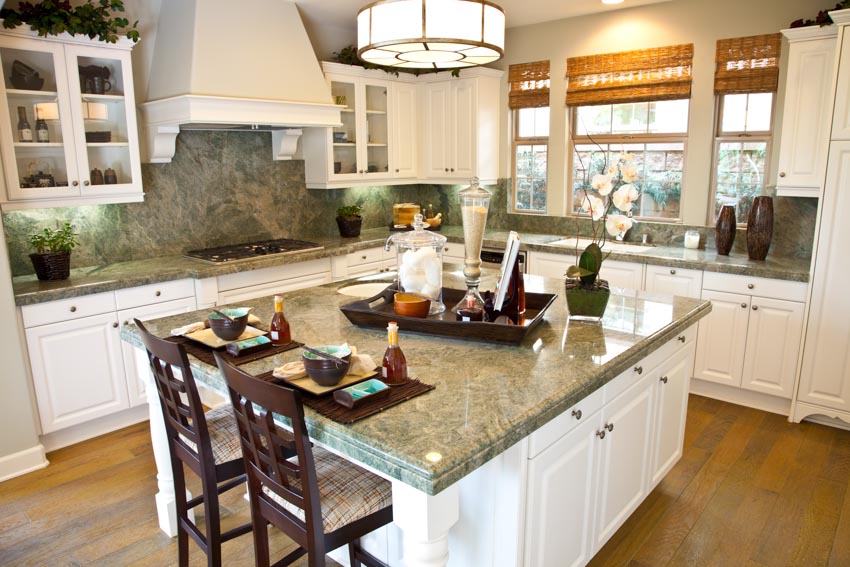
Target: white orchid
x,y
625,196
602,183
593,205
618,224
626,156
629,172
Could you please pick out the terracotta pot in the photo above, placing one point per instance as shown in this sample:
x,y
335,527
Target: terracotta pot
x,y
724,231
760,228
349,228
586,303
52,266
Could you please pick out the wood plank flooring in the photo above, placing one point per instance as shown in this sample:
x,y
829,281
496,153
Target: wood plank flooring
x,y
751,489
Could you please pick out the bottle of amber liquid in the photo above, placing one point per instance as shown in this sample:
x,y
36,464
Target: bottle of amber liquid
x,y
394,367
279,329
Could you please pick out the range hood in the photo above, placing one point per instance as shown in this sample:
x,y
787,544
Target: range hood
x,y
245,66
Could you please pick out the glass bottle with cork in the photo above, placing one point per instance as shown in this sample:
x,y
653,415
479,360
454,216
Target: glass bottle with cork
x,y
394,365
24,129
279,332
42,134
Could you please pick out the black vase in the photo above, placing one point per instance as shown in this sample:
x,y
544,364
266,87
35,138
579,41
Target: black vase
x,y
760,228
724,231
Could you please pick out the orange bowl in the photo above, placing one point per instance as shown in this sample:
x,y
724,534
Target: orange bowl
x,y
409,305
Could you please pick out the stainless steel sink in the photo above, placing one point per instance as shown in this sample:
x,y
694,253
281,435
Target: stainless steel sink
x,y
610,245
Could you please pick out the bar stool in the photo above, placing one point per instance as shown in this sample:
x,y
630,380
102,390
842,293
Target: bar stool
x,y
206,442
318,499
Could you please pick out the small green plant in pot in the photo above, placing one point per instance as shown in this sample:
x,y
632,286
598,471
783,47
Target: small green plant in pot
x,y
349,221
609,197
52,256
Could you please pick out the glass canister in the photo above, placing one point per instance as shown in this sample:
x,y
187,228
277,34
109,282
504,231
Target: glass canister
x,y
419,255
474,205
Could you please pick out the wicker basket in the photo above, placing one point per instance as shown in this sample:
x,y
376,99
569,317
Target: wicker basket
x,y
52,266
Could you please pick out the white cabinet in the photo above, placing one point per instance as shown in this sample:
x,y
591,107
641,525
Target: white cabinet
x,y
824,386
671,409
364,263
81,369
751,338
376,142
841,113
453,252
624,275
806,115
460,127
548,264
242,286
673,281
91,152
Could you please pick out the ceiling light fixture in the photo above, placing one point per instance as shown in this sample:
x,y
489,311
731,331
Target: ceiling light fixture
x,y
612,1
431,34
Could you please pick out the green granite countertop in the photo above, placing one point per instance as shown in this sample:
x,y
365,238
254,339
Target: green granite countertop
x,y
96,279
487,396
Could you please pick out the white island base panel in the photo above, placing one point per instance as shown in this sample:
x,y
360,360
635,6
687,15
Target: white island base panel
x,y
554,498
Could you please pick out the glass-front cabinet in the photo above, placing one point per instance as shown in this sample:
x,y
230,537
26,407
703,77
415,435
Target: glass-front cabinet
x,y
68,130
360,144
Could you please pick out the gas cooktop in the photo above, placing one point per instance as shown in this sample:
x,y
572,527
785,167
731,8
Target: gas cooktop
x,y
250,250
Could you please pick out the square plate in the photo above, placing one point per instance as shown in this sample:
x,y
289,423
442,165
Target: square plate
x,y
306,384
208,338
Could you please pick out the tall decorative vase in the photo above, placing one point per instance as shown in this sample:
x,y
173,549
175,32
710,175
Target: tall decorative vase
x,y
760,228
724,231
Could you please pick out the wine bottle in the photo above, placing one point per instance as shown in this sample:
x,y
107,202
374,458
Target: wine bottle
x,y
279,331
24,130
42,135
514,306
394,367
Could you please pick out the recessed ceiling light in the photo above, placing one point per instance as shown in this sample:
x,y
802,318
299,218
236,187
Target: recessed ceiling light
x,y
612,1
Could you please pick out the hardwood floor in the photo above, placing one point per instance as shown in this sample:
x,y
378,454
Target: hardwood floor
x,y
751,489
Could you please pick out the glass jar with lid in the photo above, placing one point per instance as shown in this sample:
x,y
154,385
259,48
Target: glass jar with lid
x,y
419,255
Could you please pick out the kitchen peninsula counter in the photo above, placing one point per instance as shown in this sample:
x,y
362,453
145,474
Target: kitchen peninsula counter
x,y
488,397
95,279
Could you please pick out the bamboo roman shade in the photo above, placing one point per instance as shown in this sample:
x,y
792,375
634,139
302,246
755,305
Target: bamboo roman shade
x,y
747,64
529,85
661,73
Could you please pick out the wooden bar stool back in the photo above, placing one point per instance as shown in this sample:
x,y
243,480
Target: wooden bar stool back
x,y
207,443
318,499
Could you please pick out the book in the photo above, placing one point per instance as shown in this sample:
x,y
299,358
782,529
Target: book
x,y
505,270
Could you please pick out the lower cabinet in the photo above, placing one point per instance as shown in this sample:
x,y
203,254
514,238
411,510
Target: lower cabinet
x,y
674,281
363,263
585,484
243,286
627,275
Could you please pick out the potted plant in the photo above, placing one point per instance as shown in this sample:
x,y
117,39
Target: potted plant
x,y
52,256
93,19
609,197
349,220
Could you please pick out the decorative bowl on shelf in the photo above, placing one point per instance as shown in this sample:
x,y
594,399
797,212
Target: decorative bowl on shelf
x,y
27,82
99,137
229,330
340,137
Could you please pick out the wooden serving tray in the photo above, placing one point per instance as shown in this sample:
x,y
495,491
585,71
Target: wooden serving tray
x,y
375,312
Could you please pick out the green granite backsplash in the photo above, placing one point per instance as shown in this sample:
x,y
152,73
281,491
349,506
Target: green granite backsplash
x,y
223,187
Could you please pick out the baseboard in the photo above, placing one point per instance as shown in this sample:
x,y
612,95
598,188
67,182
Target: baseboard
x,y
22,462
822,415
734,395
94,428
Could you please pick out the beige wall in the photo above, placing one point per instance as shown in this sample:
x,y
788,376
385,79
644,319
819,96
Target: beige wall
x,y
701,22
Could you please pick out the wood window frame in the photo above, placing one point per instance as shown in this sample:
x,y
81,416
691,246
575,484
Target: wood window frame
x,y
517,140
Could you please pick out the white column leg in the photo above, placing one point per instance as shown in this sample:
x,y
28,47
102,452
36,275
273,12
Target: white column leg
x,y
425,522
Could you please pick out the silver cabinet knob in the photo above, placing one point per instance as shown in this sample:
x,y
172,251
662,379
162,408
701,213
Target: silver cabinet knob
x,y
755,307
126,323
639,369
453,169
682,338
672,272
75,183
396,170
601,434
743,305
73,309
158,293
663,379
751,286
577,414
781,174
447,170
609,426
86,183
363,257
115,325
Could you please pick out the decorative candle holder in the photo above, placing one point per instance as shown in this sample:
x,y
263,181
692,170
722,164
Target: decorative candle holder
x,y
474,205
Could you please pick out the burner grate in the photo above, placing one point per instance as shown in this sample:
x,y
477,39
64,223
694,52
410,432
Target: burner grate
x,y
251,250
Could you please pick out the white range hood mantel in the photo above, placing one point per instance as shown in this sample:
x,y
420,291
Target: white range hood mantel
x,y
213,71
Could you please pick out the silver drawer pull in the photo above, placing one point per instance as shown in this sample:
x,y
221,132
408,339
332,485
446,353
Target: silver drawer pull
x,y
73,309
639,369
781,174
577,414
744,305
609,426
601,434
750,286
755,307
158,293
663,379
672,272
115,325
682,338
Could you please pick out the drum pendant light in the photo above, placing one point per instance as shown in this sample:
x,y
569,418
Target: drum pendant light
x,y
431,34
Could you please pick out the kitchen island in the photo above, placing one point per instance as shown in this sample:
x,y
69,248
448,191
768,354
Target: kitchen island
x,y
466,460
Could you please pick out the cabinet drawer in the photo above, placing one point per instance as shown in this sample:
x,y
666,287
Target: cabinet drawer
x,y
366,256
762,287
68,309
153,293
274,274
453,251
564,423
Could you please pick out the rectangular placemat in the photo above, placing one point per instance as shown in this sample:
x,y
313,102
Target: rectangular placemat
x,y
326,405
205,354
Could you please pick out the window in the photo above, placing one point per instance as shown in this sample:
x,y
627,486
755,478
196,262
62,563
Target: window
x,y
529,100
745,81
635,102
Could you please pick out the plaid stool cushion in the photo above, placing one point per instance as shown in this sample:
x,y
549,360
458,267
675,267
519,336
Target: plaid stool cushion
x,y
224,434
347,491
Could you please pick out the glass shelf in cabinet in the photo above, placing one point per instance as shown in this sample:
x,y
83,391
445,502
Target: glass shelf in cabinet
x,y
20,93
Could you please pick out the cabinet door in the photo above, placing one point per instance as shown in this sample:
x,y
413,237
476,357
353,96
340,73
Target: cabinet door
x,y
773,343
627,275
551,265
77,370
671,407
37,170
464,111
825,376
374,137
841,113
437,128
104,114
804,137
561,488
135,385
674,281
270,288
624,457
344,138
722,339
404,146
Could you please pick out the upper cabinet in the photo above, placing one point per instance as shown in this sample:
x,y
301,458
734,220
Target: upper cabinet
x,y
406,129
841,116
68,133
804,138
